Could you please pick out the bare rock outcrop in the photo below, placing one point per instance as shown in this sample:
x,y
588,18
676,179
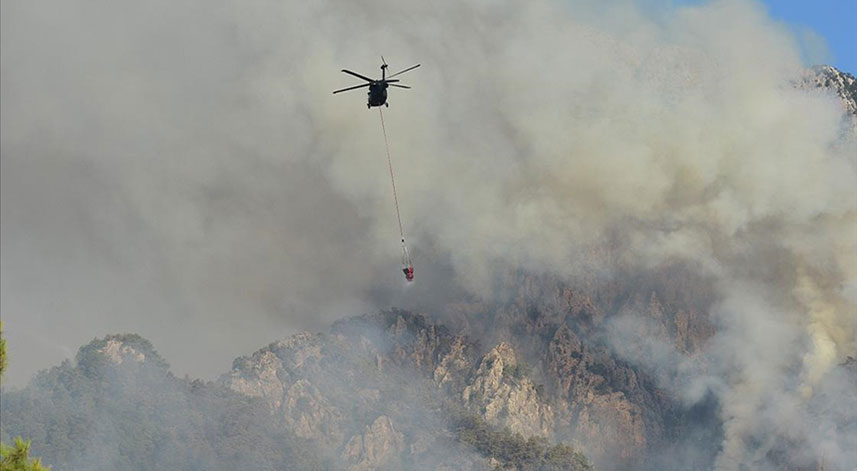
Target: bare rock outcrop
x,y
503,395
606,420
454,364
269,372
278,374
260,380
843,84
117,352
120,353
310,414
379,446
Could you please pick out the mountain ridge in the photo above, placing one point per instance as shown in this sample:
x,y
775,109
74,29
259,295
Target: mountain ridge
x,y
527,377
371,435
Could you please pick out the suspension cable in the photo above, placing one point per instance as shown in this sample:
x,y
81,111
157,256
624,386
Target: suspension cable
x,y
392,177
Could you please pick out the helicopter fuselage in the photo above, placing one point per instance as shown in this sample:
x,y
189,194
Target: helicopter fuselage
x,y
377,94
377,87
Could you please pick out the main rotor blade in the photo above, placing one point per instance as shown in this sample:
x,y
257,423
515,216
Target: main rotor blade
x,y
406,70
400,86
352,88
391,81
357,75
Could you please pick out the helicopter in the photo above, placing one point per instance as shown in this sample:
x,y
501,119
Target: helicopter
x,y
378,88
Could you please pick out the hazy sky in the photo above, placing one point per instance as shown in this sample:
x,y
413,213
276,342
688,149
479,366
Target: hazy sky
x,y
834,21
180,169
826,29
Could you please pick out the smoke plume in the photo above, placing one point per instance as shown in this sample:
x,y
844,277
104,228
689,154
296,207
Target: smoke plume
x,y
180,169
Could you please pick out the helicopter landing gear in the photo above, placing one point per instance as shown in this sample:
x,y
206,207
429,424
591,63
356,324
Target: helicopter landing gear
x,y
368,106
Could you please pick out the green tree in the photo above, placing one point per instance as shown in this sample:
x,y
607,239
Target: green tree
x,y
15,458
513,451
2,352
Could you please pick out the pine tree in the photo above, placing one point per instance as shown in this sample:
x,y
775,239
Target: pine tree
x,y
2,352
15,458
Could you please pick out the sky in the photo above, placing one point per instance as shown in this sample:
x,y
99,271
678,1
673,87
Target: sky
x,y
827,29
159,190
217,74
833,20
180,170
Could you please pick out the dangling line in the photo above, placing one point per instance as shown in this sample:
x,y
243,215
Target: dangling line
x,y
392,178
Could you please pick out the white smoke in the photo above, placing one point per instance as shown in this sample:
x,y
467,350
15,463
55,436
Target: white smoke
x,y
190,157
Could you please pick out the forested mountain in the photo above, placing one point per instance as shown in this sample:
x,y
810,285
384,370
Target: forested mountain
x,y
634,367
117,407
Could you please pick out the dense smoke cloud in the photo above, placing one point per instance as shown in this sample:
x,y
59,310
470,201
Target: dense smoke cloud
x,y
181,170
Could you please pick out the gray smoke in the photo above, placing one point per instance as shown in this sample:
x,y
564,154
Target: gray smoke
x,y
181,170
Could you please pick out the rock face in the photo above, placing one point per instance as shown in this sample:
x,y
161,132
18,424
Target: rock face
x,y
843,84
546,376
454,364
378,446
117,352
277,374
120,354
310,415
595,392
585,391
356,391
502,394
261,380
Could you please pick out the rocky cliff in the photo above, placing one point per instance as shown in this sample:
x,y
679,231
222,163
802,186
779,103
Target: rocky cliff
x,y
547,375
838,82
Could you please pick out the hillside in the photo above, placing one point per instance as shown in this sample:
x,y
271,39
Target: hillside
x,y
508,385
721,361
367,407
117,407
